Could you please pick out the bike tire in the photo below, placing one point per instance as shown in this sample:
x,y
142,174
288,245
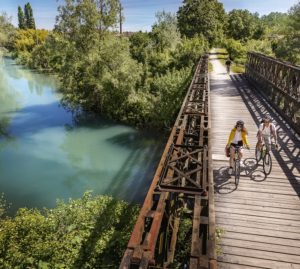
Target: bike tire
x,y
237,172
267,163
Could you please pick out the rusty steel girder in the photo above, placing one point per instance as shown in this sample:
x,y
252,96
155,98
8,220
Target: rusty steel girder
x,y
277,81
183,180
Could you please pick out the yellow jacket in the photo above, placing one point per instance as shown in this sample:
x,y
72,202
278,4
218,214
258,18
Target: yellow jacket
x,y
244,137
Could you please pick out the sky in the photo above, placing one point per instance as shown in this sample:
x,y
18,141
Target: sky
x,y
139,15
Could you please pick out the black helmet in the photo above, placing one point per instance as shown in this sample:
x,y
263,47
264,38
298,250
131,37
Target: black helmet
x,y
266,118
240,122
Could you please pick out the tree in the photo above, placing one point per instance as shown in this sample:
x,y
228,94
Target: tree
x,y
235,49
206,17
139,41
243,25
165,33
7,31
85,18
275,23
21,18
288,47
30,22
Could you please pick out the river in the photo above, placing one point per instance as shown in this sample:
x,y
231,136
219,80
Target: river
x,y
45,154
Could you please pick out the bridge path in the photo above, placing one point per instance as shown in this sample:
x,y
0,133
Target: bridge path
x,y
261,218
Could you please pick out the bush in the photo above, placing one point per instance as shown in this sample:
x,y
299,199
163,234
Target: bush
x,y
84,233
169,90
235,49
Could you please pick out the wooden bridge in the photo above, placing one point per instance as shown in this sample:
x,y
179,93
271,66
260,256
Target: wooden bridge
x,y
261,218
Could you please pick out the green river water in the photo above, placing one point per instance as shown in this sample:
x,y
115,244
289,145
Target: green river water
x,y
45,154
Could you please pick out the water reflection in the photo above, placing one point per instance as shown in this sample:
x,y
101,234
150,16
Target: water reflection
x,y
48,153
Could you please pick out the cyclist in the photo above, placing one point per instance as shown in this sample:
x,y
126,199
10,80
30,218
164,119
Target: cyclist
x,y
265,131
238,137
228,63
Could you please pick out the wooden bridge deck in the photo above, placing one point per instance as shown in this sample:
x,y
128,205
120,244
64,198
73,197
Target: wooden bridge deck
x,y
261,218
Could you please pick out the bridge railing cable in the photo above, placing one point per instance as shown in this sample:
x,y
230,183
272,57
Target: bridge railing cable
x,y
182,187
279,82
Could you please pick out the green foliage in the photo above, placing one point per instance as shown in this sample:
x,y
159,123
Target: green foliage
x,y
26,19
29,19
84,233
170,90
25,42
262,46
139,41
206,17
288,47
188,51
6,31
80,19
235,49
243,25
219,233
128,80
165,34
183,246
275,23
21,18
102,79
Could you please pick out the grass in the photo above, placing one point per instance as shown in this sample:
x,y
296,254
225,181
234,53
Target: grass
x,y
222,56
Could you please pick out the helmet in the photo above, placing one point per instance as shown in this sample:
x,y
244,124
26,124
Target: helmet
x,y
240,122
266,118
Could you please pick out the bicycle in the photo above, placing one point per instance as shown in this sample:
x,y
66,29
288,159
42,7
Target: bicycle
x,y
237,164
264,154
228,68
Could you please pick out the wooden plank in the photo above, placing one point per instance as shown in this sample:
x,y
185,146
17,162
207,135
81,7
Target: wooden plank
x,y
257,224
260,246
274,205
261,254
261,208
258,219
196,242
253,201
224,265
265,196
263,263
261,238
272,215
262,232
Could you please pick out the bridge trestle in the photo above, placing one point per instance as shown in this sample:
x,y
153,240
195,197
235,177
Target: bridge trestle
x,y
182,187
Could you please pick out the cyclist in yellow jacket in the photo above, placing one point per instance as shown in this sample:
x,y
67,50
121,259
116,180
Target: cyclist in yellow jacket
x,y
238,137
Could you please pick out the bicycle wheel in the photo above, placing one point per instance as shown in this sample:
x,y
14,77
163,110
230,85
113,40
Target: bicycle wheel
x,y
237,172
267,163
257,154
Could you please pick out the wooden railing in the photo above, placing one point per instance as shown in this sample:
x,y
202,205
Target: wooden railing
x,y
183,182
279,82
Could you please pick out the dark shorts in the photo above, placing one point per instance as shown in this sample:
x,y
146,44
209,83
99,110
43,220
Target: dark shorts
x,y
240,144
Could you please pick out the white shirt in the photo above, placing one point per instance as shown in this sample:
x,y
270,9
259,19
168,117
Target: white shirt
x,y
237,137
266,130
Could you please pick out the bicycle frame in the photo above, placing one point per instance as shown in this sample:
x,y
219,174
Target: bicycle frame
x,y
237,167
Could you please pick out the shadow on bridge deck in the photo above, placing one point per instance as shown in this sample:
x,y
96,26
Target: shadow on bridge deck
x,y
288,155
261,217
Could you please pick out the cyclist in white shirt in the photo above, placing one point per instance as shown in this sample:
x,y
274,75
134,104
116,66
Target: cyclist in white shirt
x,y
265,131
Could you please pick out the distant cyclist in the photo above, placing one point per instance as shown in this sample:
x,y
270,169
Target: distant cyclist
x,y
228,63
265,131
238,137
